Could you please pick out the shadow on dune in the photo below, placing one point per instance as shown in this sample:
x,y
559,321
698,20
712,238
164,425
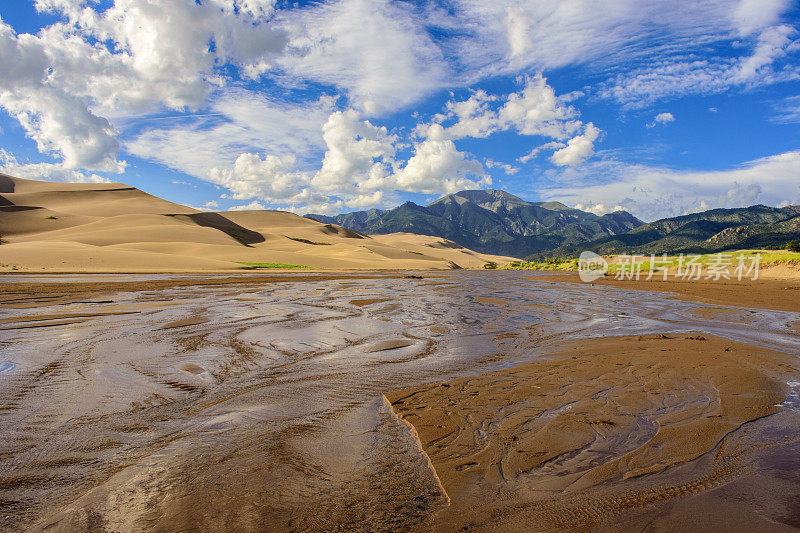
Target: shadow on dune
x,y
215,220
6,184
330,229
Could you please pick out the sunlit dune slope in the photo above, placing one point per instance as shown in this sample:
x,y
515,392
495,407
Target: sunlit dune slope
x,y
115,227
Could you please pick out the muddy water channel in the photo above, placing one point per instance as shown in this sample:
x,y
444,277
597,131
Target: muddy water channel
x,y
259,406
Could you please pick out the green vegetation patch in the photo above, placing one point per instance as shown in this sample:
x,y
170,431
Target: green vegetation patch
x,y
768,258
567,265
617,262
306,241
271,265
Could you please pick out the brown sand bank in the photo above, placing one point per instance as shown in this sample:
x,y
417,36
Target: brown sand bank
x,y
613,433
777,294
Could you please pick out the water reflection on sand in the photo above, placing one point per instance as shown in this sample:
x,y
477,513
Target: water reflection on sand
x,y
255,407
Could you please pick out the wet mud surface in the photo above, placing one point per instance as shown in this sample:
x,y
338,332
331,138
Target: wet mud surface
x,y
259,404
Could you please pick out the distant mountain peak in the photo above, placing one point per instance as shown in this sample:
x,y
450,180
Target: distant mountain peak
x,y
491,199
476,195
555,206
491,195
494,199
490,220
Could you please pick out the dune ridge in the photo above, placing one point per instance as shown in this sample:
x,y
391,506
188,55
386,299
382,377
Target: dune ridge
x,y
113,227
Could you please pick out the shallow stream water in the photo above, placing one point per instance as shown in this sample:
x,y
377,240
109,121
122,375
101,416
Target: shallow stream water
x,y
256,407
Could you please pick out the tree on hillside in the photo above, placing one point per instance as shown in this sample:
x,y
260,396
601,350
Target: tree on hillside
x,y
793,246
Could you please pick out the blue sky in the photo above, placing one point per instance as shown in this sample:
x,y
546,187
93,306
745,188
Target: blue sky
x,y
336,106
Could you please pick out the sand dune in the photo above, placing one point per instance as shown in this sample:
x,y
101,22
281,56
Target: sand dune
x,y
269,220
73,256
135,228
112,227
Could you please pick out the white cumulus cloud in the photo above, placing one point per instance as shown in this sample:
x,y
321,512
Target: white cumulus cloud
x,y
45,171
578,149
599,209
651,193
438,167
376,51
358,153
535,110
661,118
359,169
284,104
268,177
71,81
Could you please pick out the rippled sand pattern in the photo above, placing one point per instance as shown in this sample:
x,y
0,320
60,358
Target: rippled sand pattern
x,y
578,441
260,406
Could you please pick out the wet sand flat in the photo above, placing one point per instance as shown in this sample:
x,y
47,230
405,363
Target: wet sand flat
x,y
602,431
257,402
53,288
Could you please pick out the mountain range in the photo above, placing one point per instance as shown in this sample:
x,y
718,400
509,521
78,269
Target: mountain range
x,y
496,222
711,231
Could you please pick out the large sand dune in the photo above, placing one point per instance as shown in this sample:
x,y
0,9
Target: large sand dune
x,y
114,227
